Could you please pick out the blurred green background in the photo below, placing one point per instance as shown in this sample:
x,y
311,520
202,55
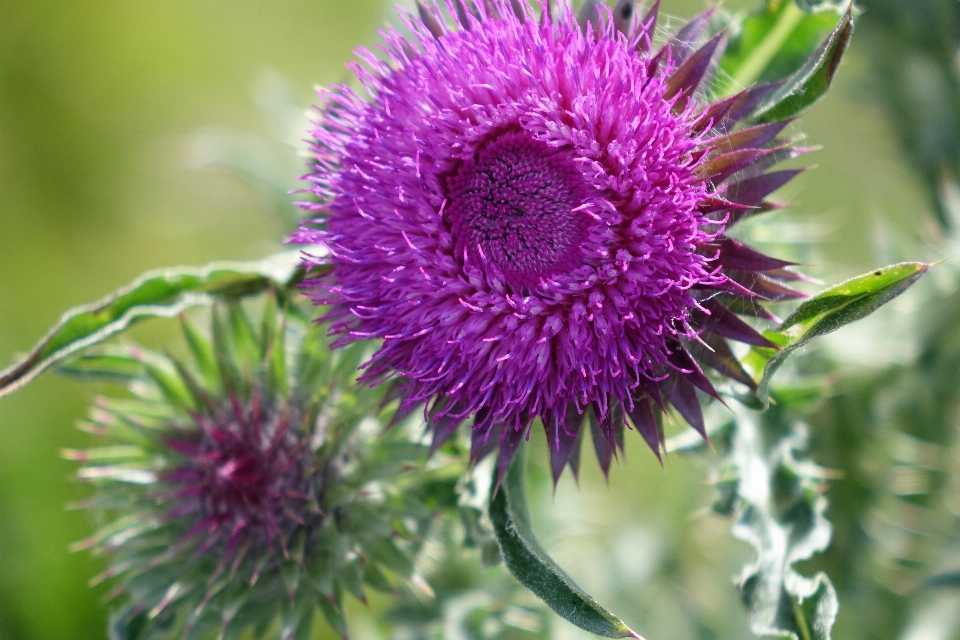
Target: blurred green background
x,y
108,108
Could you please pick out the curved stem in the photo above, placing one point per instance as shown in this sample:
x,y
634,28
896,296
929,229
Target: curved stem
x,y
764,53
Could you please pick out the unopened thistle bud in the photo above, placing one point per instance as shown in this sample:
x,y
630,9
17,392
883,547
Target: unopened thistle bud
x,y
249,485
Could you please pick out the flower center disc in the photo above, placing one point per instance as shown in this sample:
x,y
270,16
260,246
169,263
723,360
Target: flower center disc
x,y
514,205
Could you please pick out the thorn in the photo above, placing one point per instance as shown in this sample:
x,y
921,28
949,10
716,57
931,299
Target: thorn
x,y
429,20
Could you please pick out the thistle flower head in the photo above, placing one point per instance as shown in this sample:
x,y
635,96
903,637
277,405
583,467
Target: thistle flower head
x,y
249,474
247,486
530,212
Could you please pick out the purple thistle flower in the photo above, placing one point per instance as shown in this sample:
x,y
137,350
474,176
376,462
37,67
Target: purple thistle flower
x,y
248,479
530,214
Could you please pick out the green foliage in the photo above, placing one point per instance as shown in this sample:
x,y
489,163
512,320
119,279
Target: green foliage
x,y
774,42
159,294
892,431
363,524
468,602
810,82
911,47
779,508
534,568
776,498
828,311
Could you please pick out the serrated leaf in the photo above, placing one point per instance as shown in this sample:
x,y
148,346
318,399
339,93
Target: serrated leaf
x,y
780,511
811,81
833,308
534,568
809,619
157,294
332,609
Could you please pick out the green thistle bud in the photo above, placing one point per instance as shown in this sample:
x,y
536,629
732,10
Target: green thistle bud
x,y
249,485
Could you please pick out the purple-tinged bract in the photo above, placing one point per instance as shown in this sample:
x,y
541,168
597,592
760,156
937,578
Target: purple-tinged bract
x,y
529,212
241,490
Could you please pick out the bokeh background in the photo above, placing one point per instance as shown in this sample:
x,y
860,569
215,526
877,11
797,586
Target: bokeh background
x,y
126,127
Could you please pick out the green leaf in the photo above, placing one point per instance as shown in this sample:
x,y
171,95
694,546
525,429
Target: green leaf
x,y
173,387
245,344
273,341
298,619
831,309
203,354
387,553
111,362
351,577
534,568
811,81
772,43
780,511
157,294
332,609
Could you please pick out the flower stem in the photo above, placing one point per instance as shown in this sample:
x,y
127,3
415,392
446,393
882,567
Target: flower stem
x,y
750,70
801,621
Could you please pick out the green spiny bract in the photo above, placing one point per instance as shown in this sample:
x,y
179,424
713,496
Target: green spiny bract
x,y
248,485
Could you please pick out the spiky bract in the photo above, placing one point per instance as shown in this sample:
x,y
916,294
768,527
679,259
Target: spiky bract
x,y
248,485
529,212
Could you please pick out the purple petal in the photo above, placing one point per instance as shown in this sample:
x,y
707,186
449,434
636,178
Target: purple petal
x,y
683,396
685,364
649,26
723,166
602,447
720,358
736,255
509,442
685,41
563,435
724,322
647,422
747,100
751,137
752,191
686,78
764,287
